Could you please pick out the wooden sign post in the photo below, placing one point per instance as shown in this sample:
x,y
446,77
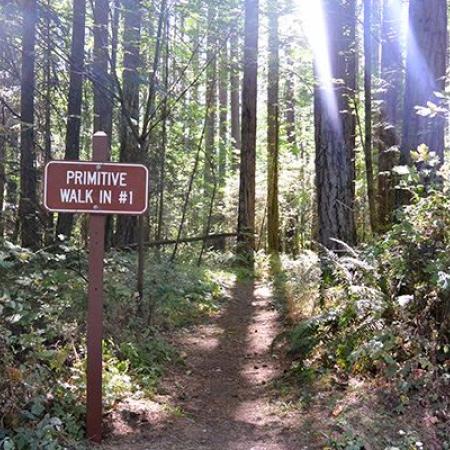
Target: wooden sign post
x,y
97,188
100,150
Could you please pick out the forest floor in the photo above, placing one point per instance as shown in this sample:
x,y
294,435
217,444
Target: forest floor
x,y
223,398
230,394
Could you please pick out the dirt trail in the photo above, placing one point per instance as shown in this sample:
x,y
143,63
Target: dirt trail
x,y
222,400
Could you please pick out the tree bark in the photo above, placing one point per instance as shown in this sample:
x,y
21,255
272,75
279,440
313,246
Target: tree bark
x,y
335,130
223,140
425,74
163,149
246,212
28,207
126,232
273,78
48,217
103,86
368,147
223,114
102,80
391,87
235,99
211,110
148,142
289,103
72,151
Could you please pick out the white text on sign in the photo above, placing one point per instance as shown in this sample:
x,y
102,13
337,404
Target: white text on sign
x,y
94,178
85,197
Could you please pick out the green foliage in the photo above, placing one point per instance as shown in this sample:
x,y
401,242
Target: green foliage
x,y
42,329
346,442
385,307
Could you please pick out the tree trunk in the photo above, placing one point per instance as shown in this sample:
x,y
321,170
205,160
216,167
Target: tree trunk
x,y
425,75
235,99
211,111
223,114
289,102
28,207
163,149
102,82
273,77
246,213
391,76
72,151
376,17
126,233
48,217
368,147
103,87
335,130
223,138
115,35
148,141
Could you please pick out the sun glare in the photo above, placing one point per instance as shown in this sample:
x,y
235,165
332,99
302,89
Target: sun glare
x,y
314,25
313,20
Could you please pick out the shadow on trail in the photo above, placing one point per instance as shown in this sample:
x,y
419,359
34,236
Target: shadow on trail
x,y
223,398
224,393
279,277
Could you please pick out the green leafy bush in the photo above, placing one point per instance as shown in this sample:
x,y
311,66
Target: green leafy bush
x,y
385,307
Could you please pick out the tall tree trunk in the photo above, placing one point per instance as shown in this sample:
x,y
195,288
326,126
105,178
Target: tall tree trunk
x,y
12,192
388,136
163,149
223,139
210,174
295,222
335,130
246,212
148,141
368,147
28,207
102,81
273,77
103,87
195,88
377,15
149,158
115,23
48,217
289,102
425,74
72,151
235,98
223,114
126,233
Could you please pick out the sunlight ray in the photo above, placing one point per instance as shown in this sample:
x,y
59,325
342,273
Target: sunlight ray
x,y
314,25
418,64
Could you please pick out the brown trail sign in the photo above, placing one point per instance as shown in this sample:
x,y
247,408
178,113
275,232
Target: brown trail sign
x,y
101,188
97,188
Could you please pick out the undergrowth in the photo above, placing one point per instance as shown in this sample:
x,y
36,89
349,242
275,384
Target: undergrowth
x,y
380,312
42,336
